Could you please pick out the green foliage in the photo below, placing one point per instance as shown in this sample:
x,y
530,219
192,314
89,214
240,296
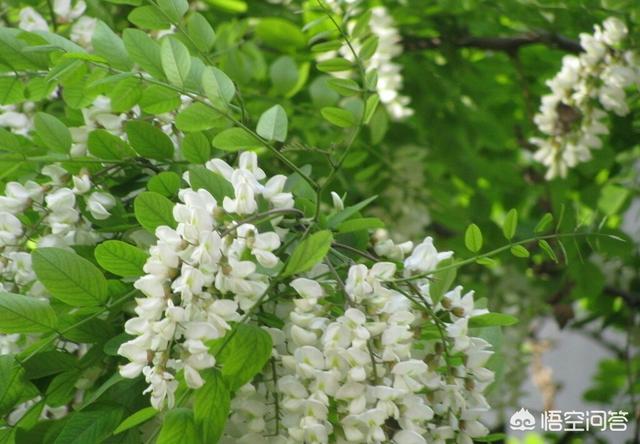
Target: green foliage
x,y
273,124
308,253
153,210
242,354
20,314
211,407
120,258
69,277
473,238
178,428
148,140
53,133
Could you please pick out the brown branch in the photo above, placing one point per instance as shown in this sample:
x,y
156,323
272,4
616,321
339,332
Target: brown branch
x,y
506,44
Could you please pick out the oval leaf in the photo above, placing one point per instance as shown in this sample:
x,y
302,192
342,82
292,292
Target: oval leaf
x,y
120,258
153,210
309,252
24,314
69,277
473,238
273,124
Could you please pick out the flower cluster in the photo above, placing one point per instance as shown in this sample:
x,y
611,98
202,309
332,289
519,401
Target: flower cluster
x,y
362,368
48,214
587,88
389,73
350,372
389,47
202,275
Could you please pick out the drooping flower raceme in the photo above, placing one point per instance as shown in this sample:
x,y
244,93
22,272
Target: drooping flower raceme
x,y
202,275
389,47
358,378
588,87
352,373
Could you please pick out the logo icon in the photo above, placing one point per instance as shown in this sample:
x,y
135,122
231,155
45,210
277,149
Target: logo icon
x,y
522,420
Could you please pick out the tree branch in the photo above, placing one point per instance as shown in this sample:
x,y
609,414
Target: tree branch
x,y
506,44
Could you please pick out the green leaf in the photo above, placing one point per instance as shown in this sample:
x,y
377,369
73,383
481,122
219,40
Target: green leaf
x,y
284,75
341,216
280,34
344,87
11,90
120,258
218,87
308,253
48,363
14,387
53,133
487,261
158,99
492,320
139,417
544,223
166,183
519,251
368,48
547,249
178,428
612,198
338,116
25,314
273,124
441,281
370,107
125,95
473,238
363,223
494,437
211,407
196,148
108,45
331,45
230,6
69,277
236,139
153,210
176,61
174,9
89,426
148,140
335,65
510,224
201,32
105,145
198,117
144,51
245,355
149,17
218,186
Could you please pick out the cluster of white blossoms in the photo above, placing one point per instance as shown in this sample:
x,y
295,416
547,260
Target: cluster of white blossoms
x,y
45,214
358,377
202,274
588,87
390,79
391,363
